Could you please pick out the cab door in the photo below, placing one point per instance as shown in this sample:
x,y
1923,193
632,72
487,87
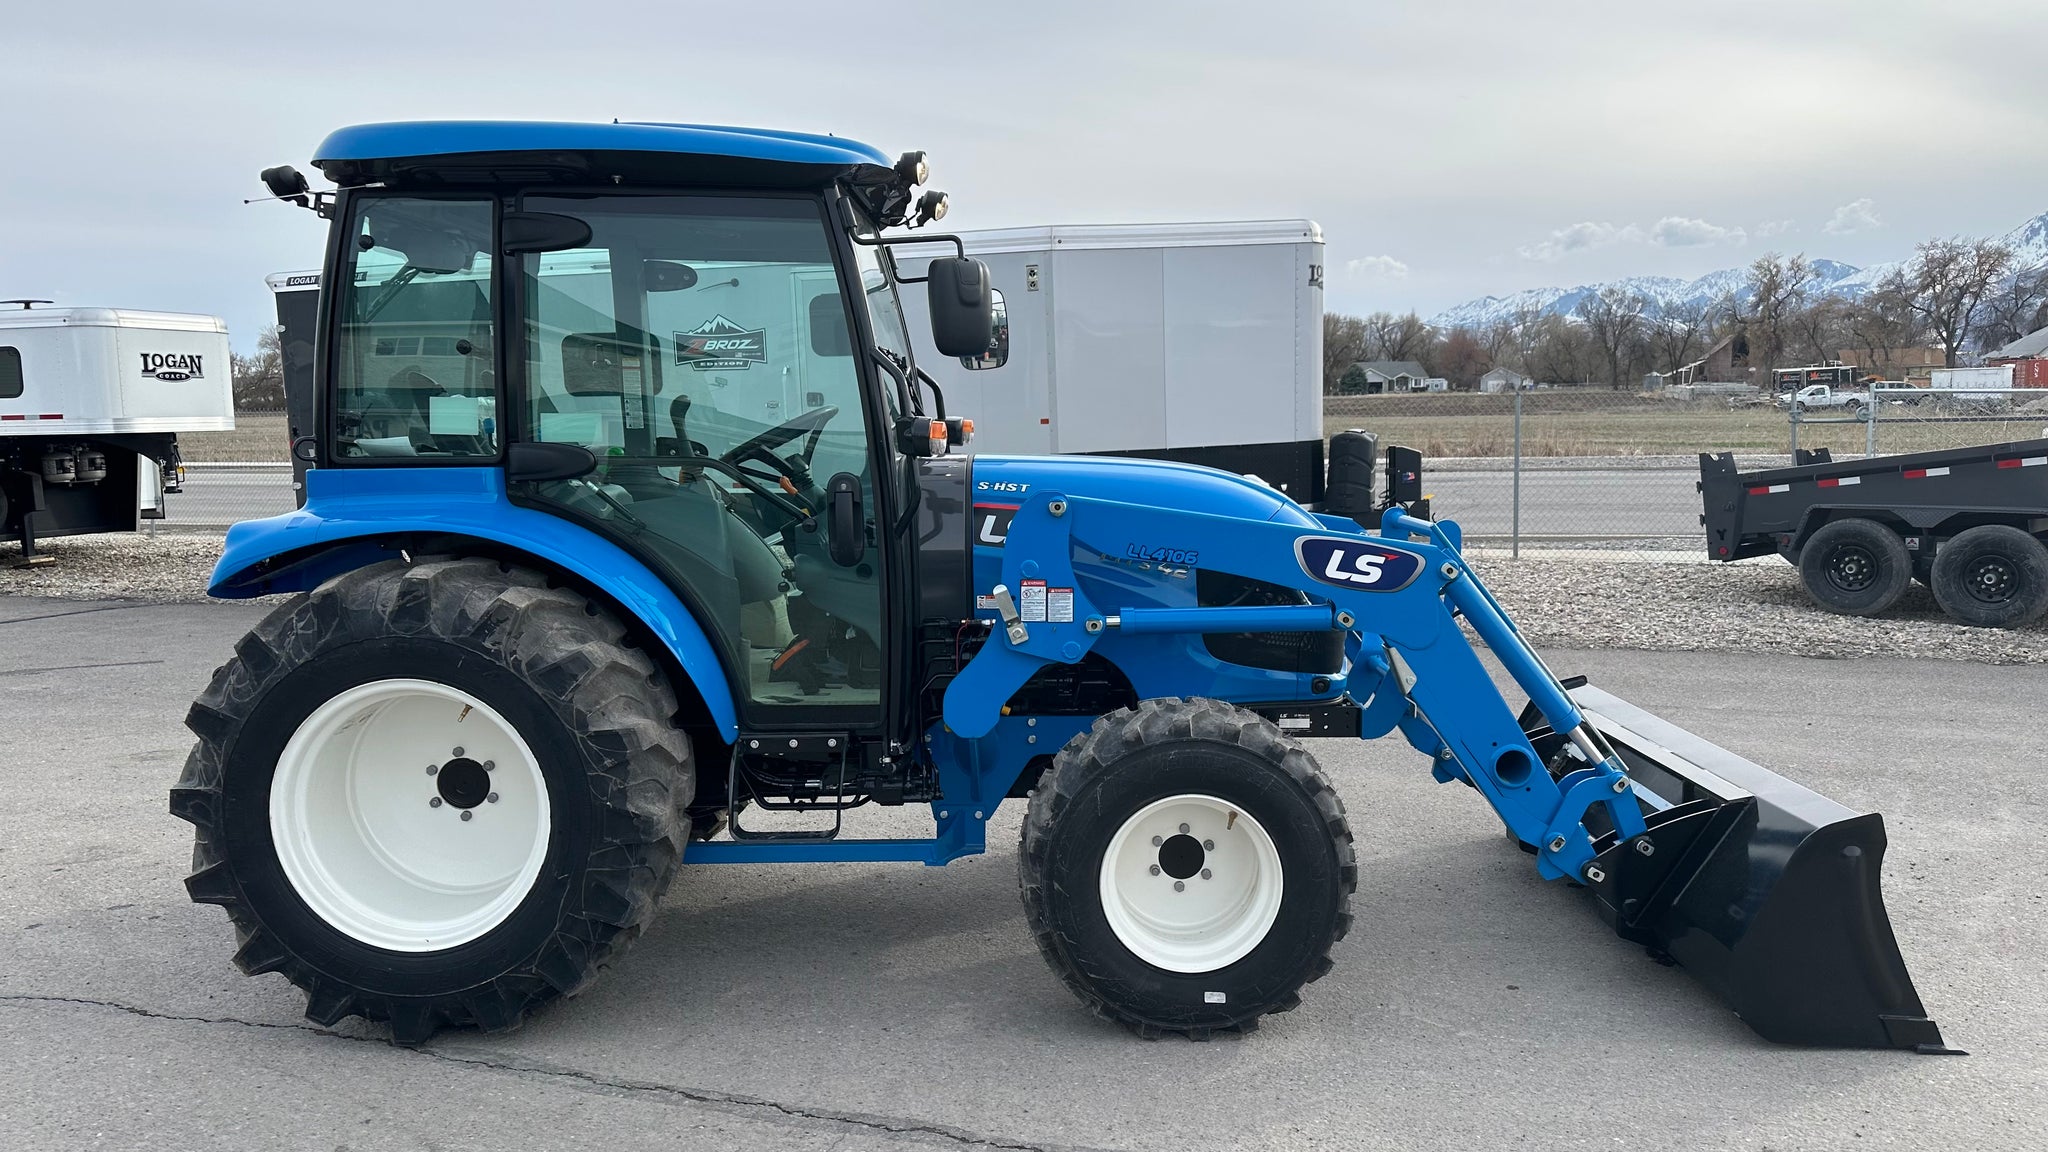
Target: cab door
x,y
698,347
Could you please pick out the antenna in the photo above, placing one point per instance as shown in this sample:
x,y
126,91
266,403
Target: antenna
x,y
27,305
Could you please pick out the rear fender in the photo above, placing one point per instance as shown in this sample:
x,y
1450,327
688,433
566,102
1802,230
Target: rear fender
x,y
355,517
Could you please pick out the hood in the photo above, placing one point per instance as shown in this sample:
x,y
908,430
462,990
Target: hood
x,y
1165,483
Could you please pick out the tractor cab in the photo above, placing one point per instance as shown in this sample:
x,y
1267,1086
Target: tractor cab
x,y
684,339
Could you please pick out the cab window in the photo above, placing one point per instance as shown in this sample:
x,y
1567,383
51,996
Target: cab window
x,y
413,370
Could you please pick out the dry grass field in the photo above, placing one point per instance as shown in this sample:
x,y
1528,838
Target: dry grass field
x,y
1465,424
258,436
1624,424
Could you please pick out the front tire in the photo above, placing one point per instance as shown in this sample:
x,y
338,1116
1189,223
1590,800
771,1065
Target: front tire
x,y
1186,867
439,793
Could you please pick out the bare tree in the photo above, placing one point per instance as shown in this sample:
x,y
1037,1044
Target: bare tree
x,y
1462,359
1950,278
1613,319
1815,332
2017,306
1680,334
1392,337
1883,323
1778,286
258,381
1562,351
1344,344
1527,330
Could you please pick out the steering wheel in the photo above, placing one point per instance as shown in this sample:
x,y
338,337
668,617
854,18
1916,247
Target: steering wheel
x,y
793,475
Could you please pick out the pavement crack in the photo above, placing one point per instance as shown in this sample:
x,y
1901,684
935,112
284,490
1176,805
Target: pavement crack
x,y
76,612
894,1126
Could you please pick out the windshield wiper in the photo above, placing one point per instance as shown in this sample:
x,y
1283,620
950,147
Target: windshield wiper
x,y
389,292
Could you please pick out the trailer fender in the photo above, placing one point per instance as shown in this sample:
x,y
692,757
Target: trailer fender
x,y
348,523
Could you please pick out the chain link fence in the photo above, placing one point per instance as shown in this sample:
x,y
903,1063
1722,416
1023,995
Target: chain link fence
x,y
1568,468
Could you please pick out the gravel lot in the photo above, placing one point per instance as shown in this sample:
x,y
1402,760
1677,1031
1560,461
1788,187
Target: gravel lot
x,y
1560,600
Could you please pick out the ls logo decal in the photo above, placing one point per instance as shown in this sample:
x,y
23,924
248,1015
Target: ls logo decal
x,y
1362,565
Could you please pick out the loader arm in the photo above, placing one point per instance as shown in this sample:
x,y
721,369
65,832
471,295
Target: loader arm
x,y
1766,891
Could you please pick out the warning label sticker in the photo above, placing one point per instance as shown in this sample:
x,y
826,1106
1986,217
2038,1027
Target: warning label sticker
x,y
1059,605
985,604
1031,601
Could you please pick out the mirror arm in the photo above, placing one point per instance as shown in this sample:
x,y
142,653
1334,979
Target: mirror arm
x,y
959,248
903,390
938,394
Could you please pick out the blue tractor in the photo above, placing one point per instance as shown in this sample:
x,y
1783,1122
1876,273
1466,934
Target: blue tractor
x,y
633,534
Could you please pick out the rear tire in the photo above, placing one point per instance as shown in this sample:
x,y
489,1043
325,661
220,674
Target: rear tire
x,y
530,857
1199,931
1992,576
1857,567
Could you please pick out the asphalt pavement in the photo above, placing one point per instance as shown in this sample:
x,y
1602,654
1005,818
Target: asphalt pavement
x,y
887,1006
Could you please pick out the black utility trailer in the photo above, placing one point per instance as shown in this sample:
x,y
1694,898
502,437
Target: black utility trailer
x,y
1967,522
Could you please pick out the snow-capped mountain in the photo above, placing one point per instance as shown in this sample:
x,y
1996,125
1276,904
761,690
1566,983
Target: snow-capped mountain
x,y
2029,243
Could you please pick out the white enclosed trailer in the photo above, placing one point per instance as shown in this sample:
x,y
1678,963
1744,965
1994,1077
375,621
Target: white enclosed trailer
x,y
1195,342
91,404
1965,383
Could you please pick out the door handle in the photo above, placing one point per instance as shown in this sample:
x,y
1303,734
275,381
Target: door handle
x,y
847,537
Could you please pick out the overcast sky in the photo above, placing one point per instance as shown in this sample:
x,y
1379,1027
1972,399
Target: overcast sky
x,y
1449,149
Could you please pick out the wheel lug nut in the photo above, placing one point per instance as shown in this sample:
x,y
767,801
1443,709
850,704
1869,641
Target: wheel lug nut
x,y
465,815
433,768
434,802
1155,869
1205,873
1157,841
493,798
1208,845
1180,885
490,765
1183,829
458,751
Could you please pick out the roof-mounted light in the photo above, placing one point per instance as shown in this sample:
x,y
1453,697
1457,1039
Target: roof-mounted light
x,y
931,206
912,168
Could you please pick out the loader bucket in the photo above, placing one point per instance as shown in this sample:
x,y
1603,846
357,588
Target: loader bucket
x,y
1763,890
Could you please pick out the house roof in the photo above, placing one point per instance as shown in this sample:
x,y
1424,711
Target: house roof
x,y
1392,368
2026,347
1503,370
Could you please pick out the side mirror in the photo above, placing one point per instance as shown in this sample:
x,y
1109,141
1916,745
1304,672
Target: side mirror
x,y
962,305
997,353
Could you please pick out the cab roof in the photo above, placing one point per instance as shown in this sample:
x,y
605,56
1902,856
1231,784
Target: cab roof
x,y
533,151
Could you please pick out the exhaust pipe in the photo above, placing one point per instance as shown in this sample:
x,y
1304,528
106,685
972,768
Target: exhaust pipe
x,y
1768,893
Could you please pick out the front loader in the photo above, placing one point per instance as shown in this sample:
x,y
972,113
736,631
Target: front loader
x,y
634,535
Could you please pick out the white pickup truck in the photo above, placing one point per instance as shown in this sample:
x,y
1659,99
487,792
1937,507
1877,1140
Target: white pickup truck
x,y
1821,396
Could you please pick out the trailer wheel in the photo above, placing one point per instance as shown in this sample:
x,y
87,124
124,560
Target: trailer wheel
x,y
435,793
1186,868
1856,566
1993,576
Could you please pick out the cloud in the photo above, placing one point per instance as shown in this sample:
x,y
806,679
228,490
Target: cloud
x,y
1770,228
1855,216
1686,232
1578,238
1385,266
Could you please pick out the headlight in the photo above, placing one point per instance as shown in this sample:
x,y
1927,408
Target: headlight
x,y
912,167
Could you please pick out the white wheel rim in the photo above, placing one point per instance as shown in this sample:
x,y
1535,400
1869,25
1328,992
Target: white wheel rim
x,y
390,854
1191,883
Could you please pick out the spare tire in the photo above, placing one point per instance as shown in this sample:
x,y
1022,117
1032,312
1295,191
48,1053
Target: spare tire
x,y
1993,576
1857,567
1354,456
